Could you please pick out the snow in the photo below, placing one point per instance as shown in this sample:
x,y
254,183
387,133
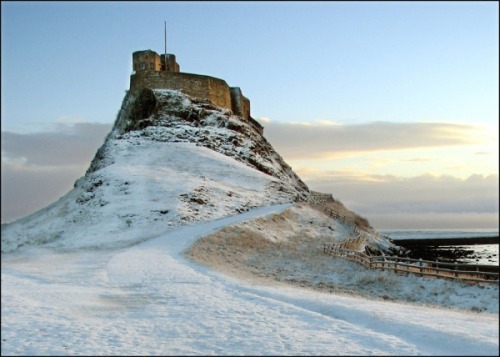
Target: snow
x,y
108,270
288,248
148,299
146,179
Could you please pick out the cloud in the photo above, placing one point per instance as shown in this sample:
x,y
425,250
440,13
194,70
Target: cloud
x,y
66,119
263,120
69,144
300,141
421,196
38,168
26,189
434,221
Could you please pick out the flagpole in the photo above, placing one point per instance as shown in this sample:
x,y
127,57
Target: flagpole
x,y
165,46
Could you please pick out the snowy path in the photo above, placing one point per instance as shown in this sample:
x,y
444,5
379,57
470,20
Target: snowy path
x,y
148,299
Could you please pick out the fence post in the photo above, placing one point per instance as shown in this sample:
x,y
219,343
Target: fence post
x,y
393,263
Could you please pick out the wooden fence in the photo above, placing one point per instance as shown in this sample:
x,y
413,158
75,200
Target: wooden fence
x,y
318,198
342,218
401,265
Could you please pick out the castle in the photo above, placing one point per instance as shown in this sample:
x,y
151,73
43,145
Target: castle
x,y
156,72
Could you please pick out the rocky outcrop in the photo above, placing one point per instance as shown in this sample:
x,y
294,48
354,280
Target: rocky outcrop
x,y
170,160
170,116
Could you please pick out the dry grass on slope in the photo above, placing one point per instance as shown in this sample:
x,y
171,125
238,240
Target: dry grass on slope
x,y
337,206
285,248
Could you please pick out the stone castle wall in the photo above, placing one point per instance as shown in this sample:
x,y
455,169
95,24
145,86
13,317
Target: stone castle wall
x,y
202,87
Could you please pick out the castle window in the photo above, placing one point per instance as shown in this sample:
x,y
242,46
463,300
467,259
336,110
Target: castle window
x,y
152,66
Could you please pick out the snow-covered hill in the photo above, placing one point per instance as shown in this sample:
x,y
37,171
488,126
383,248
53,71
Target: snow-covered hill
x,y
110,267
170,160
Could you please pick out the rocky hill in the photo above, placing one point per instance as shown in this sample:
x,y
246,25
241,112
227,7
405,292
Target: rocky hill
x,y
172,160
168,161
164,115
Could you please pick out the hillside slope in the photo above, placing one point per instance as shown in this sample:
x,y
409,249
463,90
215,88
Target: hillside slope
x,y
168,161
177,178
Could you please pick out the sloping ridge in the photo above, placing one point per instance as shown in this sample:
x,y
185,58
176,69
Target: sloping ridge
x,y
169,160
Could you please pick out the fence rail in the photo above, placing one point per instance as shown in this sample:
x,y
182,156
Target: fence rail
x,y
342,218
401,265
320,199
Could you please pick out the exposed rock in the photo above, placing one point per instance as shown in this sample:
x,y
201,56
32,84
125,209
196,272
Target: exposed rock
x,y
170,116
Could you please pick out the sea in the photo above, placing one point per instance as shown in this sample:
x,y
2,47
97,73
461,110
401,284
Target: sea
x,y
483,254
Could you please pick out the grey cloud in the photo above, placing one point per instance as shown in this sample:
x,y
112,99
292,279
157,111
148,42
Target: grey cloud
x,y
28,189
68,145
296,141
433,221
37,168
416,195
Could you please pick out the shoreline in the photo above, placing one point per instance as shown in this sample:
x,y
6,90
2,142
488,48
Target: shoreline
x,y
483,251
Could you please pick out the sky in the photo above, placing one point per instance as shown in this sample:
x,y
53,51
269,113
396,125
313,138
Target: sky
x,y
390,106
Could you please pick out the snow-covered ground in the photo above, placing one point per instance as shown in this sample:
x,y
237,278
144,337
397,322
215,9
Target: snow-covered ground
x,y
148,299
106,270
288,248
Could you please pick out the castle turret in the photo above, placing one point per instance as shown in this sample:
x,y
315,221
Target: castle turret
x,y
170,65
146,61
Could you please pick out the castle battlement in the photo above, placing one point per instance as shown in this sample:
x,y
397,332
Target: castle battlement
x,y
153,71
